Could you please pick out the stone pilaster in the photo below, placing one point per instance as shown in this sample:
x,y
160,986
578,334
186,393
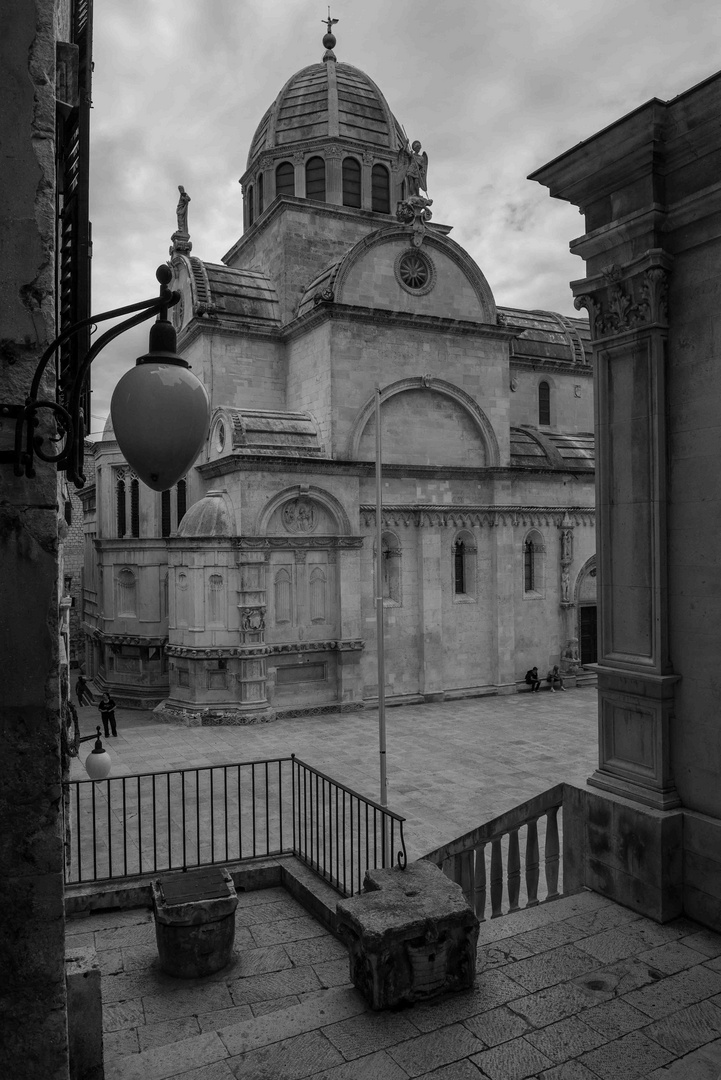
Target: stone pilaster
x,y
628,315
350,643
431,612
252,650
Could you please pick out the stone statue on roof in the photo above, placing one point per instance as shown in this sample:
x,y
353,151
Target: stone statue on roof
x,y
182,209
180,240
414,166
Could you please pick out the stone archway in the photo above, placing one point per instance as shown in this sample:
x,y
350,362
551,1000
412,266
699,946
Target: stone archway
x,y
587,612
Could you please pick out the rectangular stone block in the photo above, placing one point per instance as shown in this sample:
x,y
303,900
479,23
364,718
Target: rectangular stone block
x,y
85,1014
410,936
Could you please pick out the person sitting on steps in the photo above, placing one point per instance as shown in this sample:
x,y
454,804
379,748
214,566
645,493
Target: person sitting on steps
x,y
554,676
532,680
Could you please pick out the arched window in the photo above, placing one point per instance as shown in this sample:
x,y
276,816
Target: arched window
x,y
282,596
391,569
165,526
120,507
285,179
216,601
260,194
464,566
544,404
164,597
351,182
251,207
533,549
380,190
134,507
315,179
317,585
126,601
181,499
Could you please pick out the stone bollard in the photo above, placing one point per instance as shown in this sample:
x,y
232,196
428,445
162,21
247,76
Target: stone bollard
x,y
195,921
411,936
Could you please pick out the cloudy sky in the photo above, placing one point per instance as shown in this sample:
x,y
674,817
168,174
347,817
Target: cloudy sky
x,y
493,90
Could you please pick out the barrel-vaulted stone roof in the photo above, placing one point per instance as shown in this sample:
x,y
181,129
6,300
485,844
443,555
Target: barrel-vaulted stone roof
x,y
231,294
327,100
263,431
549,336
534,449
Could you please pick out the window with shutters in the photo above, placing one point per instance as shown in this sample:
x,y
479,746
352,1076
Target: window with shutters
x,y
380,190
120,517
315,179
134,507
285,179
351,182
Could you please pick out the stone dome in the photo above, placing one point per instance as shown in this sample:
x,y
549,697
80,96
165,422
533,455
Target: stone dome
x,y
325,101
210,516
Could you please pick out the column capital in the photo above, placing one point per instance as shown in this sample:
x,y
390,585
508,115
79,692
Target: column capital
x,y
626,298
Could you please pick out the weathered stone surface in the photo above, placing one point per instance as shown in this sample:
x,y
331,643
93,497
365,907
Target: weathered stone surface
x,y
85,1012
554,966
428,1052
273,985
493,989
512,1061
191,1001
614,1018
302,1056
317,1010
497,1026
565,1039
365,1034
166,1061
410,935
633,1055
674,992
687,1029
374,1067
168,1031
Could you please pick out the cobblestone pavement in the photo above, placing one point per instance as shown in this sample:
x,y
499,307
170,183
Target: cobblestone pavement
x,y
451,765
578,989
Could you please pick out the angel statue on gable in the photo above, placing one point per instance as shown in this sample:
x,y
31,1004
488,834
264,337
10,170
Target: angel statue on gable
x,y
415,167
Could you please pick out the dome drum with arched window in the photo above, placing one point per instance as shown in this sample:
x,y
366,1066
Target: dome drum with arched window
x,y
328,137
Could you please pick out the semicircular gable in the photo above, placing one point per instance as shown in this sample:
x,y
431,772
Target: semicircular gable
x,y
426,421
370,275
303,509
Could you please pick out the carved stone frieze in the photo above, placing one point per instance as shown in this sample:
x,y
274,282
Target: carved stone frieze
x,y
217,653
252,618
416,212
263,543
344,645
300,515
468,516
626,302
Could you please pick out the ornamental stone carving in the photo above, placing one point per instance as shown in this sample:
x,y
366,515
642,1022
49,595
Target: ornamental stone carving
x,y
300,515
415,211
252,618
626,302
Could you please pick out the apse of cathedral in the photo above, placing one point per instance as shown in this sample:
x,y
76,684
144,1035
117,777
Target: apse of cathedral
x,y
248,590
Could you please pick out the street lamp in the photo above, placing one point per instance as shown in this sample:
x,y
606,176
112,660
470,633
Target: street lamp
x,y
98,761
160,411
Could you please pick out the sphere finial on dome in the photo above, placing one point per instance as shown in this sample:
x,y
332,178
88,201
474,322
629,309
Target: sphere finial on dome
x,y
329,39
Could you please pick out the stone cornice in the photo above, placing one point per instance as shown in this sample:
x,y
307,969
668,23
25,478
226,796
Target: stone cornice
x,y
266,649
563,367
430,514
334,467
266,543
386,317
125,639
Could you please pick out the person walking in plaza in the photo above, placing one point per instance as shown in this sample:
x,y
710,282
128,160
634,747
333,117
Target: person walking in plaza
x,y
82,692
532,679
107,714
554,676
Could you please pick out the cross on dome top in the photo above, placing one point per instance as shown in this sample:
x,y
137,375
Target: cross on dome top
x,y
329,38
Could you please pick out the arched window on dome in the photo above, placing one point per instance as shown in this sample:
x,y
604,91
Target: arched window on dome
x,y
260,194
351,182
181,490
285,179
380,190
251,207
315,179
120,521
544,405
165,525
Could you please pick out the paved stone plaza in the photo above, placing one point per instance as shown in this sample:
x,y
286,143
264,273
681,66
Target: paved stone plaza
x,y
579,989
451,766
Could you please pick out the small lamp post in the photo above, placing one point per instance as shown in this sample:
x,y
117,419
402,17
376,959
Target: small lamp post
x,y
98,761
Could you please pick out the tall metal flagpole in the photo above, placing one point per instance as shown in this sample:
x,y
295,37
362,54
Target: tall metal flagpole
x,y
379,607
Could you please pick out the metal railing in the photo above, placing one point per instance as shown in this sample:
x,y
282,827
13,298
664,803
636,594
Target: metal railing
x,y
339,833
465,860
133,825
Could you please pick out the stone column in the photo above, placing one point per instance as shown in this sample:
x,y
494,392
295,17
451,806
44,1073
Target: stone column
x,y
503,561
252,650
627,309
430,599
333,176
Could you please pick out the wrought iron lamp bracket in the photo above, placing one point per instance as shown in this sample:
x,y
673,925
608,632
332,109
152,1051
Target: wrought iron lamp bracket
x,y
28,444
